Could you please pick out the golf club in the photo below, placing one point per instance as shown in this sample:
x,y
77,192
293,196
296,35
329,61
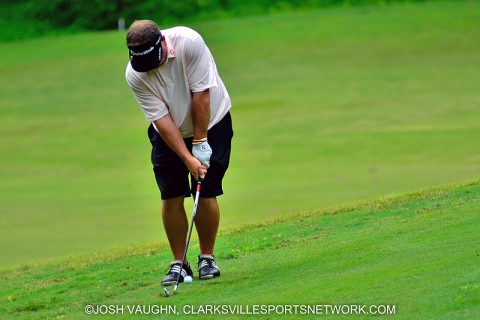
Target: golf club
x,y
197,196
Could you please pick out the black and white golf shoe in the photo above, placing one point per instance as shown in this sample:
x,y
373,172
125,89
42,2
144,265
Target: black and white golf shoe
x,y
172,273
207,267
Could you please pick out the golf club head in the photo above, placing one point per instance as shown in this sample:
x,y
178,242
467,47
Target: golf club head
x,y
167,292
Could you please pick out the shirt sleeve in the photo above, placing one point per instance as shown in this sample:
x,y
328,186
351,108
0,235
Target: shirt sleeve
x,y
152,106
200,65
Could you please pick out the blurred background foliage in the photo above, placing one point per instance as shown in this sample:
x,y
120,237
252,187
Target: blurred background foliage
x,y
22,19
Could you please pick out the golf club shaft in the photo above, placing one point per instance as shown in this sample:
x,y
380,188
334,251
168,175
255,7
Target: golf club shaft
x,y
197,196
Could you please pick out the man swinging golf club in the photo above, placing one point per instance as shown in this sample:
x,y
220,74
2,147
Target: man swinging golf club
x,y
174,79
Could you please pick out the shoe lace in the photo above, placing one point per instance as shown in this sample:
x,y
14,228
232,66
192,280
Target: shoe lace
x,y
207,262
175,269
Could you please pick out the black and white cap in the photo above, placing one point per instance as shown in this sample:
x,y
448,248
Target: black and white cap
x,y
147,56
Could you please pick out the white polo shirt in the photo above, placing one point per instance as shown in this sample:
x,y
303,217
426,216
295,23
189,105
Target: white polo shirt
x,y
190,67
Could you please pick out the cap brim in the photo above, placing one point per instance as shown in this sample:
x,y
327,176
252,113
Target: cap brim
x,y
146,62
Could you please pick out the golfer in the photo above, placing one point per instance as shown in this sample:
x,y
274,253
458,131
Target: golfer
x,y
174,79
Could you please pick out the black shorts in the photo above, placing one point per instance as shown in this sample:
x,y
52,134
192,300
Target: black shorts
x,y
171,172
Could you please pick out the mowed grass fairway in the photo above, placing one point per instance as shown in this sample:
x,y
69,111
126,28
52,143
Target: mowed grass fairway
x,y
418,253
329,106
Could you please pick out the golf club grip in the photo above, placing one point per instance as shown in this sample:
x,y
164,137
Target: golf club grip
x,y
199,185
197,195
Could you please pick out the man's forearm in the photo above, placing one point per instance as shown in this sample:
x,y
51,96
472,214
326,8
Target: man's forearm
x,y
172,137
200,114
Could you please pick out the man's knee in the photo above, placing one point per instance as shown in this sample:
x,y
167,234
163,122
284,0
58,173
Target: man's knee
x,y
173,205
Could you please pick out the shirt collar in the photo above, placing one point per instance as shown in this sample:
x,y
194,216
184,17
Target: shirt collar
x,y
170,48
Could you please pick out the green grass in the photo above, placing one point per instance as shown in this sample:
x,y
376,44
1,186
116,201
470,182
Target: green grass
x,y
329,106
418,252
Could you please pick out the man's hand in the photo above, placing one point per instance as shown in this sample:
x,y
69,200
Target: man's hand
x,y
172,137
196,168
202,151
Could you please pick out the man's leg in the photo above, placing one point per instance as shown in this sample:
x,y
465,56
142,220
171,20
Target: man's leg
x,y
206,222
171,176
208,213
176,225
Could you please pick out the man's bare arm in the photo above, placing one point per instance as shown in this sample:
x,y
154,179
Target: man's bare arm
x,y
200,114
173,138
